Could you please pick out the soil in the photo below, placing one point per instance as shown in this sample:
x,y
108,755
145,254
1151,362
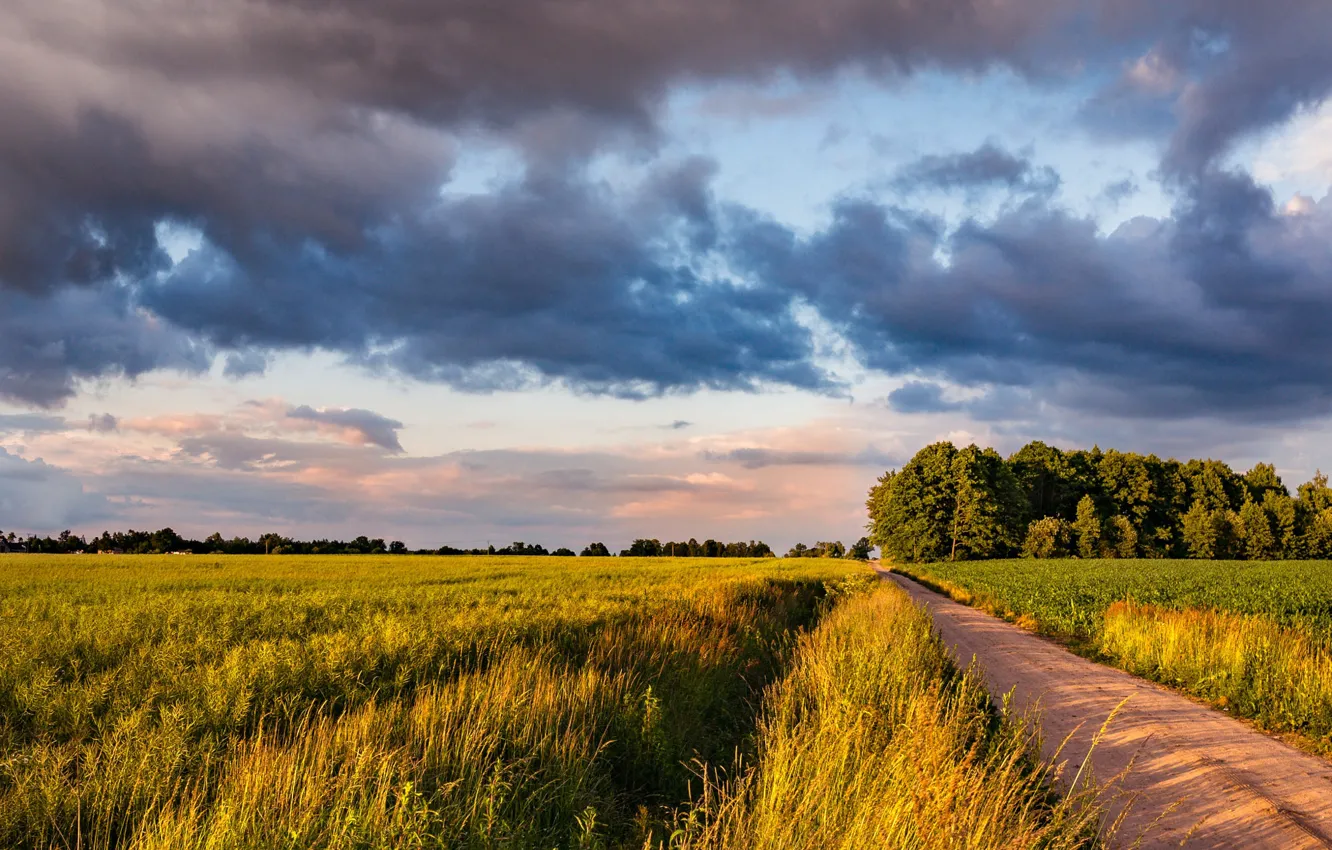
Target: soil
x,y
1185,774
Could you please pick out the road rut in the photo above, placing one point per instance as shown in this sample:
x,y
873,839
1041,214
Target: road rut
x,y
1199,778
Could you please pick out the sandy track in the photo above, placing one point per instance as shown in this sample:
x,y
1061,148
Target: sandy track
x,y
1231,786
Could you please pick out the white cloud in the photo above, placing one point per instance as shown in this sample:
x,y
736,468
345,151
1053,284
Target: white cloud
x,y
1300,151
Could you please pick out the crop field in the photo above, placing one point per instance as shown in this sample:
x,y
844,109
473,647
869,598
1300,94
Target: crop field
x,y
412,702
1251,637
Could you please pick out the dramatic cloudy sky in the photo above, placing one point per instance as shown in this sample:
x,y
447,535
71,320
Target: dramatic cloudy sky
x,y
561,270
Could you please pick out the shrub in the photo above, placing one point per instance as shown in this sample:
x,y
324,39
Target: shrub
x,y
1049,537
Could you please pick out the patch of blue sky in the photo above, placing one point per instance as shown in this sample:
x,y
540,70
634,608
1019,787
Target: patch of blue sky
x,y
790,148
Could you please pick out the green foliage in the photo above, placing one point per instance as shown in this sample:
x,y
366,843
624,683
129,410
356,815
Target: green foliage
x,y
917,524
653,548
860,550
1087,527
1318,541
822,549
1263,479
877,505
1200,531
989,510
1256,531
1048,480
378,702
947,503
1121,537
1049,537
1214,484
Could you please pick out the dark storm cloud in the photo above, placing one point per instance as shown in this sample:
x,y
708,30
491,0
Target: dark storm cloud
x,y
551,278
50,341
302,147
989,166
275,126
1220,309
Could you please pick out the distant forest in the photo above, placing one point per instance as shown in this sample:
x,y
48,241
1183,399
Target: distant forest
x,y
168,541
949,503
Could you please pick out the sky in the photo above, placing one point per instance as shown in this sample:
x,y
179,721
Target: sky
x,y
572,270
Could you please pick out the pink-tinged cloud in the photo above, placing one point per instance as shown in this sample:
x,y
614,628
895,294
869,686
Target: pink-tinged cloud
x,y
350,425
175,425
269,465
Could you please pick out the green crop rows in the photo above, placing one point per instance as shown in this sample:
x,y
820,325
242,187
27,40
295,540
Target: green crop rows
x,y
1069,596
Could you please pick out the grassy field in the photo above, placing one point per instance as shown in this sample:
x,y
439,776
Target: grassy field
x,y
874,739
400,702
1252,637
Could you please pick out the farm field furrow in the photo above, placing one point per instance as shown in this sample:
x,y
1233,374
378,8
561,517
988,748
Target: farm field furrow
x,y
1252,638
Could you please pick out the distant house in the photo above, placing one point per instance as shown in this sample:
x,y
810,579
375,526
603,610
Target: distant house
x,y
12,546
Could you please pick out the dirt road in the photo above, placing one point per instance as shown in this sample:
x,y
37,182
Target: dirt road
x,y
1231,786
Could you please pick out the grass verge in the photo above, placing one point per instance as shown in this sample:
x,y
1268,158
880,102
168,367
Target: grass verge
x,y
875,739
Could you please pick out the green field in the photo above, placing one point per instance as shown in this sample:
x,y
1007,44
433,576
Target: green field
x,y
397,702
1252,637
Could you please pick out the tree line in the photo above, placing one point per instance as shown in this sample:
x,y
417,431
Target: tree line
x,y
691,548
167,540
652,548
951,503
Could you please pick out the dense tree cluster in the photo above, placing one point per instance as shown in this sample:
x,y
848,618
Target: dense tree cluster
x,y
860,550
645,548
950,503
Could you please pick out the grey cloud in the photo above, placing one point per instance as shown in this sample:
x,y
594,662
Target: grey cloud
x,y
233,501
374,429
243,364
1119,191
305,145
920,397
989,166
679,425
1212,73
232,450
1219,310
32,423
36,495
50,342
103,423
550,279
269,124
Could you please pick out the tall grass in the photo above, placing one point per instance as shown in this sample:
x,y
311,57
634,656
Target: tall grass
x,y
874,739
1281,677
1253,638
377,702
